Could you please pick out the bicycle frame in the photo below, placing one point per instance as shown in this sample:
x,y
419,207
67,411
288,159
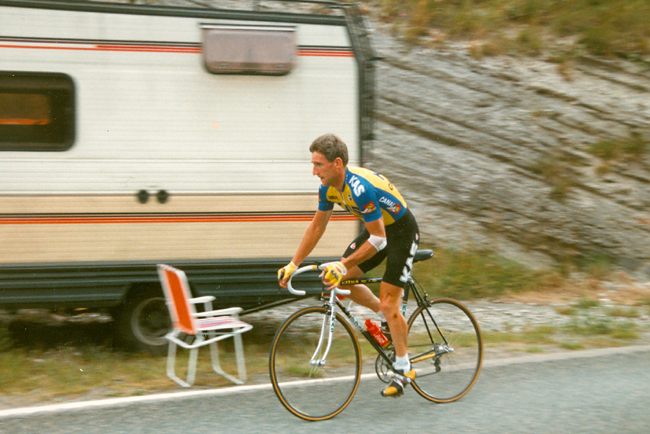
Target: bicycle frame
x,y
332,302
421,300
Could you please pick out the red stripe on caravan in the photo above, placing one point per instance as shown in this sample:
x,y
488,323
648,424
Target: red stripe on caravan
x,y
148,49
80,220
325,53
145,49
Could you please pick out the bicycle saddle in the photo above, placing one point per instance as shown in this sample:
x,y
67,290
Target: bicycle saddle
x,y
423,255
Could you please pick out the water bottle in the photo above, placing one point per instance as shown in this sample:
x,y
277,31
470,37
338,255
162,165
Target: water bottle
x,y
376,333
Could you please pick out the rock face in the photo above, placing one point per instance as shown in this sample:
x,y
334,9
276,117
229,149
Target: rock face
x,y
493,153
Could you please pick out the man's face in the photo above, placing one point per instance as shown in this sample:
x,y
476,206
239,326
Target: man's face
x,y
327,171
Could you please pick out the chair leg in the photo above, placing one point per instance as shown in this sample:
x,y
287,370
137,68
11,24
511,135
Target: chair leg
x,y
241,361
171,365
191,367
214,352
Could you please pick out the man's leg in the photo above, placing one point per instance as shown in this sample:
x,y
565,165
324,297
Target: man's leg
x,y
390,304
361,294
391,300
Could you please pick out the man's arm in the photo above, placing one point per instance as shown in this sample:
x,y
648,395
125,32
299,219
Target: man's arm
x,y
336,271
367,250
313,234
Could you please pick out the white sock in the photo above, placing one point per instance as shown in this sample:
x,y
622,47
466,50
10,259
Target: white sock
x,y
402,363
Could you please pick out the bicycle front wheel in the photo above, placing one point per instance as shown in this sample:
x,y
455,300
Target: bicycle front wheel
x,y
315,382
446,350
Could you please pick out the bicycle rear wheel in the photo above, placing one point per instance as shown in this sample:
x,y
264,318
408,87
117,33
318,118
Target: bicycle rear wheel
x,y
314,391
446,350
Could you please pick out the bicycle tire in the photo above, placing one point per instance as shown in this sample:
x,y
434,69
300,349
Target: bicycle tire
x,y
455,368
312,392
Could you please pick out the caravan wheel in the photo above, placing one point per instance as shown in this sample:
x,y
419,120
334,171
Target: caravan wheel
x,y
143,321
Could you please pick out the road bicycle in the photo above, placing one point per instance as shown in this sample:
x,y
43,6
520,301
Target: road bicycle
x,y
315,358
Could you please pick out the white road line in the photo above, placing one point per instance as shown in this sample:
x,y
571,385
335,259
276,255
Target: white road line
x,y
118,402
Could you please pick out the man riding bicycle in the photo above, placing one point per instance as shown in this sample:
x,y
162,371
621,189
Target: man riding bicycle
x,y
390,233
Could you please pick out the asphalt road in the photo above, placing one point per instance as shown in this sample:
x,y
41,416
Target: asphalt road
x,y
602,391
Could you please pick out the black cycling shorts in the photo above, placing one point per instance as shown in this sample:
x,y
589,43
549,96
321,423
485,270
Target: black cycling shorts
x,y
402,238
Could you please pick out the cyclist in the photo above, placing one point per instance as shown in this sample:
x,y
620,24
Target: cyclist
x,y
390,233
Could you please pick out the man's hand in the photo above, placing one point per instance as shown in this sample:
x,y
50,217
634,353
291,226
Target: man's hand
x,y
333,274
285,273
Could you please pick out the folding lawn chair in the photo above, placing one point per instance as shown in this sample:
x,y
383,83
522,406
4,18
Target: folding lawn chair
x,y
192,330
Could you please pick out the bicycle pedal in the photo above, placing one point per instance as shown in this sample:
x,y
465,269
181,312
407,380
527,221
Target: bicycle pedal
x,y
404,378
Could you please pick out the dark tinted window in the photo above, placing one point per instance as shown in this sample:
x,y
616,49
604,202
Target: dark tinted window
x,y
36,111
230,49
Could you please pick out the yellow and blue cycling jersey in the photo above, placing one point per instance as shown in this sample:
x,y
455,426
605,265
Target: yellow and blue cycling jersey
x,y
367,195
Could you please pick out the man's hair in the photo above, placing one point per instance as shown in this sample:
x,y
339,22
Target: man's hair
x,y
331,147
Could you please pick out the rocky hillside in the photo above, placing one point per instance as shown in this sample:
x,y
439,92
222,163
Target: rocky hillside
x,y
495,152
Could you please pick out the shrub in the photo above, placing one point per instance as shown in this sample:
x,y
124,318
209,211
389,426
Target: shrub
x,y
603,28
466,274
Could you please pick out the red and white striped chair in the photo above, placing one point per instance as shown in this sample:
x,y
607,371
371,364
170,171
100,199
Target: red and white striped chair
x,y
192,329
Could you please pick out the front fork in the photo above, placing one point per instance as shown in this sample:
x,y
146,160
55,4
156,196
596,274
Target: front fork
x,y
326,333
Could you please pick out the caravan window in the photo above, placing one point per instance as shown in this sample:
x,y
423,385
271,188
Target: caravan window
x,y
236,49
36,112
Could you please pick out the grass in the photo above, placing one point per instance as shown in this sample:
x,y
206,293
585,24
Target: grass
x,y
74,372
603,327
572,346
526,27
81,371
623,312
587,303
467,275
555,173
575,335
620,150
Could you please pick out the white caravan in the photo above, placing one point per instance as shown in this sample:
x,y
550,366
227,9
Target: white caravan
x,y
136,134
